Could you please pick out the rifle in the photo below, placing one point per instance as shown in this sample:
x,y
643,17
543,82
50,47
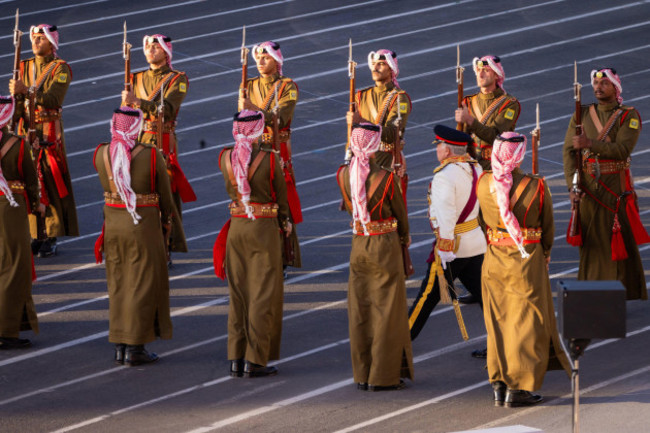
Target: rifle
x,y
126,53
459,82
574,235
397,155
16,71
352,65
160,121
536,133
289,253
244,65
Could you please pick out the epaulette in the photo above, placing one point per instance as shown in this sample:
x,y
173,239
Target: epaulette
x,y
453,160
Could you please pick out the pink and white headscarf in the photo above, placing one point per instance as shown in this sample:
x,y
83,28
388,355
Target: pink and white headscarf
x,y
612,76
125,128
494,63
7,106
165,43
272,49
364,141
50,32
508,151
391,59
247,126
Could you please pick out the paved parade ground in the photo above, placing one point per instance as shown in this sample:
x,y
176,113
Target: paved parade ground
x,y
67,380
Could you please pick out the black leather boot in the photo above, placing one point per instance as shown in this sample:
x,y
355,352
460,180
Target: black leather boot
x,y
519,398
138,355
256,370
237,367
119,353
499,389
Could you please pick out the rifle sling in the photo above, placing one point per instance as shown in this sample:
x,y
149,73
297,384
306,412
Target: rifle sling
x,y
603,131
251,170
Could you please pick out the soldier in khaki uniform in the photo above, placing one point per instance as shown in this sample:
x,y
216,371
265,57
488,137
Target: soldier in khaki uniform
x,y
517,211
135,213
145,94
19,193
48,77
491,111
609,213
380,343
381,105
271,93
252,242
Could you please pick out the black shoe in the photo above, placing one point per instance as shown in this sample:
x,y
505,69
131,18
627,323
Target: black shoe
x,y
256,370
7,343
374,388
467,299
362,386
48,248
519,398
479,353
138,355
36,245
119,353
499,389
236,368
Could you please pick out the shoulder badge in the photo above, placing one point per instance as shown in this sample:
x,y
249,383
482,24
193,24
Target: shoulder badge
x,y
62,78
403,107
510,114
634,123
293,95
182,87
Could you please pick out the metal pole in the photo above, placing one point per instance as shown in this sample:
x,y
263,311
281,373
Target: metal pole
x,y
575,385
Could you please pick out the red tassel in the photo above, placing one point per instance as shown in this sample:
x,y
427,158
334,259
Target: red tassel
x,y
293,199
219,251
574,241
99,247
33,269
180,182
640,234
618,245
405,183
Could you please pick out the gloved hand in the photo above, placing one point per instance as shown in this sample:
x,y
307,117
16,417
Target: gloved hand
x,y
446,257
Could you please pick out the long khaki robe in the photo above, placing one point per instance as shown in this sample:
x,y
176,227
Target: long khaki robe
x,y
371,103
175,91
136,257
595,253
259,89
523,342
503,118
380,341
61,216
254,267
17,312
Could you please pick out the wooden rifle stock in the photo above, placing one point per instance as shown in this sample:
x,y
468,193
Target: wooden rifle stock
x,y
536,135
459,82
126,53
244,67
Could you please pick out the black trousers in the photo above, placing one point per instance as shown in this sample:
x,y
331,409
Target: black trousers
x,y
467,270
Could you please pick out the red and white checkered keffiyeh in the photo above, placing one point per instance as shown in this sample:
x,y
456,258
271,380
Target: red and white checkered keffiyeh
x,y
125,128
51,35
272,49
612,76
247,126
494,63
160,39
508,151
364,141
7,106
391,59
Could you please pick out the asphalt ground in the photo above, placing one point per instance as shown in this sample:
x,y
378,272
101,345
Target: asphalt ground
x,y
67,382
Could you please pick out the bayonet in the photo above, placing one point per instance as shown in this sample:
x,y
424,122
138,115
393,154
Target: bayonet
x,y
459,82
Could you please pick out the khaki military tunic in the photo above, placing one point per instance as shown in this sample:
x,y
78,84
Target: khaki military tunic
x,y
494,113
17,312
596,218
254,265
136,257
261,91
381,105
61,216
145,85
380,341
523,342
